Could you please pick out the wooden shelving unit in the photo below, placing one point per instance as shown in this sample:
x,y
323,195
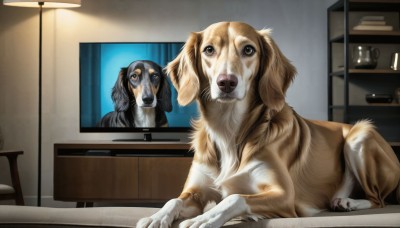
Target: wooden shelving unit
x,y
348,86
107,171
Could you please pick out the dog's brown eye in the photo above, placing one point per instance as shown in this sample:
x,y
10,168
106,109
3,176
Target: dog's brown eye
x,y
134,76
248,50
209,50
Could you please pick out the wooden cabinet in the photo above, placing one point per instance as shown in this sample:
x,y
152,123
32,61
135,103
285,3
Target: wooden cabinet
x,y
95,171
89,179
347,84
163,177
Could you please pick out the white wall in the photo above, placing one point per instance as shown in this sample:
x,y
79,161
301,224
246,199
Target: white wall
x,y
299,29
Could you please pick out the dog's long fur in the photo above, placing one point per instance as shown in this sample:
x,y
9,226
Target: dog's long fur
x,y
128,95
254,155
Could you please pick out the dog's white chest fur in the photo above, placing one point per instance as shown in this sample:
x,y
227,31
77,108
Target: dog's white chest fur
x,y
145,117
224,133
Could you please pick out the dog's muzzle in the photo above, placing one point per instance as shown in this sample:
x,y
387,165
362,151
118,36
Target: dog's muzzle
x,y
227,82
148,100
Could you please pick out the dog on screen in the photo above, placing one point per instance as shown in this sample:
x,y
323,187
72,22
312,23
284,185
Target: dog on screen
x,y
141,96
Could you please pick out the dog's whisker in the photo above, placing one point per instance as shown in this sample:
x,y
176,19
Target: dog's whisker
x,y
206,94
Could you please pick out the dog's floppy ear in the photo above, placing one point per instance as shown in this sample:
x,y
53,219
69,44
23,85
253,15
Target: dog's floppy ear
x,y
183,71
164,94
276,73
120,95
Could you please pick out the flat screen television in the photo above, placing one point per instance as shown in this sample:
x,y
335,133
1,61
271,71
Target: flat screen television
x,y
103,72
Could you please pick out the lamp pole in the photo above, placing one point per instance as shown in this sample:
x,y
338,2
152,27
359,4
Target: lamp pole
x,y
49,4
39,193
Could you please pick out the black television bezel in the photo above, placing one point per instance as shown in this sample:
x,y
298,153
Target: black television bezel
x,y
131,129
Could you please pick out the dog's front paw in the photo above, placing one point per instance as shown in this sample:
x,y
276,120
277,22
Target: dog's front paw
x,y
144,222
164,217
201,221
153,222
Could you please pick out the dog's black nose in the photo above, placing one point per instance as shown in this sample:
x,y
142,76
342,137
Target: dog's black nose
x,y
227,82
148,99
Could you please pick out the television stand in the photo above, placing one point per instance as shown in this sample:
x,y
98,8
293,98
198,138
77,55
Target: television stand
x,y
147,138
137,172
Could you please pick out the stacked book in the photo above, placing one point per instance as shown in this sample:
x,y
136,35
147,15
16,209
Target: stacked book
x,y
376,23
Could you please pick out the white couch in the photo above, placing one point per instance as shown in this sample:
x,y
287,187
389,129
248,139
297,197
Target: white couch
x,y
25,216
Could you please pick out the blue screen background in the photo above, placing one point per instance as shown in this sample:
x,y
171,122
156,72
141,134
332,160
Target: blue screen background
x,y
100,64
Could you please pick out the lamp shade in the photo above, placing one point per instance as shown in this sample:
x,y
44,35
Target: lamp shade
x,y
47,3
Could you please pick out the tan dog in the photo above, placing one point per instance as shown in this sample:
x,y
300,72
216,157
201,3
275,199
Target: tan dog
x,y
255,156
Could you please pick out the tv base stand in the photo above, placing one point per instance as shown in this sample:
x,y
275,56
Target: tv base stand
x,y
135,172
147,138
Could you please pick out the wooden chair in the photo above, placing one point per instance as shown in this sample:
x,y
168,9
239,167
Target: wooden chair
x,y
13,192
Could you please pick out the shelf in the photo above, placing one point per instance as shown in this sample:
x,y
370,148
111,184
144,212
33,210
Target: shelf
x,y
394,144
336,107
367,36
367,106
374,33
374,5
376,105
388,72
373,71
367,5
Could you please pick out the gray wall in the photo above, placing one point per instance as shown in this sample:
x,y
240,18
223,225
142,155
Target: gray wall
x,y
299,29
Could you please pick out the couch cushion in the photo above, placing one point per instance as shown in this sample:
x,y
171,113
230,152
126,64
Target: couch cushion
x,y
25,216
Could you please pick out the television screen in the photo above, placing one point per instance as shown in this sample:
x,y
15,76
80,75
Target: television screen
x,y
123,88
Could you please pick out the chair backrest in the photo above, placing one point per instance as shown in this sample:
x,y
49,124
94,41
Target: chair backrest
x,y
14,191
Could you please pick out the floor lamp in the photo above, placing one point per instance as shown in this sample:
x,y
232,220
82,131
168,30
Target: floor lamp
x,y
41,5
